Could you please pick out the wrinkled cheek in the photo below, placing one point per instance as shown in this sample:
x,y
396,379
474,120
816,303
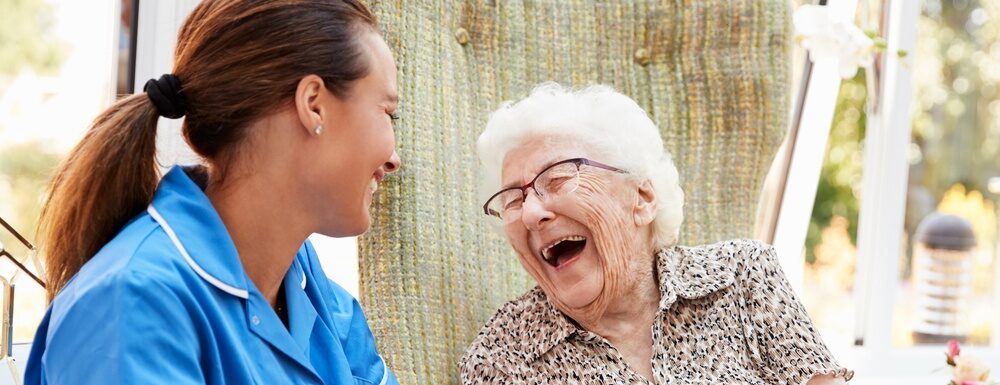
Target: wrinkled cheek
x,y
607,221
610,227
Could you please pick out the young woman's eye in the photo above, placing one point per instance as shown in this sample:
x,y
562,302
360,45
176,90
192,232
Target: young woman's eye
x,y
394,116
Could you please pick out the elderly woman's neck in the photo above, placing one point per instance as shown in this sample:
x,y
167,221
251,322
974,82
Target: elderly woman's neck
x,y
636,308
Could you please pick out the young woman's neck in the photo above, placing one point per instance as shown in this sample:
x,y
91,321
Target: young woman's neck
x,y
262,227
258,204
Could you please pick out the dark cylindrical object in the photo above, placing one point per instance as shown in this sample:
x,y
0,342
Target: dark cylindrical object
x,y
942,277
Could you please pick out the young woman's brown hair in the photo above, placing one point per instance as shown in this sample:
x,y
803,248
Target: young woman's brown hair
x,y
235,62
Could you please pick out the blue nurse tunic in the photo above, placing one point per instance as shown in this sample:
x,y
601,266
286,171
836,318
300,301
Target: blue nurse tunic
x,y
167,302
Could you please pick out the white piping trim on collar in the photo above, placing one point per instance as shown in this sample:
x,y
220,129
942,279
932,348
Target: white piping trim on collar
x,y
303,278
385,372
187,257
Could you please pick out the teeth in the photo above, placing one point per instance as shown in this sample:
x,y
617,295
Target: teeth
x,y
545,251
373,186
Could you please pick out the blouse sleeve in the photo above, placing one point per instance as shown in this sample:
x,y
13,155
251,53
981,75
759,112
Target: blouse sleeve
x,y
789,349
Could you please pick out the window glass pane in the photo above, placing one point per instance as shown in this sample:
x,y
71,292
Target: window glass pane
x,y
947,271
57,71
128,14
830,250
831,241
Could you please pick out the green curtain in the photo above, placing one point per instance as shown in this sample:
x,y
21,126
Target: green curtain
x,y
713,74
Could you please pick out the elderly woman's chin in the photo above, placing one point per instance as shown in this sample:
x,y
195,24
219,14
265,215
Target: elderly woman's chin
x,y
573,278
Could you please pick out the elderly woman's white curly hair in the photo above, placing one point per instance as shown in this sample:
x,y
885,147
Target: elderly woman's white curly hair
x,y
611,123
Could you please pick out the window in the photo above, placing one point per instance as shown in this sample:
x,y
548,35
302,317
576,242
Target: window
x,y
886,282
55,76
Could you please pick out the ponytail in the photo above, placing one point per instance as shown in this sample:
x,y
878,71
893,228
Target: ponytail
x,y
108,178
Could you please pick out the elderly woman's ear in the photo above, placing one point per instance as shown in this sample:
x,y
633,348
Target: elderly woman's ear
x,y
644,211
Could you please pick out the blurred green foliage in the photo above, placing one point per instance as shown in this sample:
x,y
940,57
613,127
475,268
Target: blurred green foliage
x,y
840,178
24,174
27,39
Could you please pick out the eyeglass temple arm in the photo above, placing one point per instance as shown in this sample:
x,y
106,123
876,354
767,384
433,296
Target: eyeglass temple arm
x,y
602,165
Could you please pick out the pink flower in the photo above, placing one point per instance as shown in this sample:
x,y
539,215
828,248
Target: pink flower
x,y
953,350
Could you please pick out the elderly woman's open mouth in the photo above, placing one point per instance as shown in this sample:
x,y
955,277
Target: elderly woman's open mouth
x,y
563,250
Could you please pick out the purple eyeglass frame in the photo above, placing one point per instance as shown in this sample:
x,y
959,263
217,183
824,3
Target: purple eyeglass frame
x,y
531,185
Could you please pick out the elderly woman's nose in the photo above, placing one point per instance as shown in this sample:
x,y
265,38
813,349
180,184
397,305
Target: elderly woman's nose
x,y
534,214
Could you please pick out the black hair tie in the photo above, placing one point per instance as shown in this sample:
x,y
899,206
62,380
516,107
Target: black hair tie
x,y
166,95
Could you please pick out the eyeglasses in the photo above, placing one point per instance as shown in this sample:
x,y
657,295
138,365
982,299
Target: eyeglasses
x,y
562,177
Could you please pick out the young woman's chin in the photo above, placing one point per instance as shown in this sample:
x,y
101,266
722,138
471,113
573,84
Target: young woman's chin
x,y
340,226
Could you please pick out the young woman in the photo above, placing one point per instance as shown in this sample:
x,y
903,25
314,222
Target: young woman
x,y
206,276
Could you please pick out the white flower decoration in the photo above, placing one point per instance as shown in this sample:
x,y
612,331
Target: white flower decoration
x,y
970,369
826,35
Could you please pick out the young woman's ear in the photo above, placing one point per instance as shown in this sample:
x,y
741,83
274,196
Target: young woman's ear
x,y
644,211
307,103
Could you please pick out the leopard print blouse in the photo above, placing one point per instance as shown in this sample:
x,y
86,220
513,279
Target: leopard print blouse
x,y
727,315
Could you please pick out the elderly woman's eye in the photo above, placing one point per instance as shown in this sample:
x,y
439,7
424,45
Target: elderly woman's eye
x,y
556,183
512,204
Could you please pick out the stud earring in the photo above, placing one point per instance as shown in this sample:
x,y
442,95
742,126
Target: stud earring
x,y
319,129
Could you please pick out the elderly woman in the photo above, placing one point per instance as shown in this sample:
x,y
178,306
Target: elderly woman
x,y
592,205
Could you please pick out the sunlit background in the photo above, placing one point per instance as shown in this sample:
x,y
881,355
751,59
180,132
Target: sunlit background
x,y
58,66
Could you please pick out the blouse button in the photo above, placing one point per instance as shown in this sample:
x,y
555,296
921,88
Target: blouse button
x,y
255,320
